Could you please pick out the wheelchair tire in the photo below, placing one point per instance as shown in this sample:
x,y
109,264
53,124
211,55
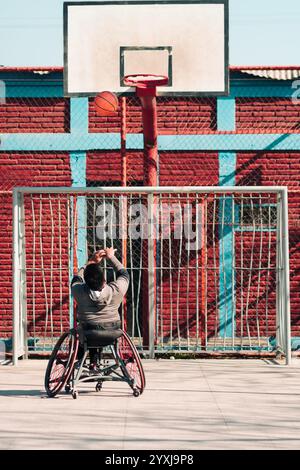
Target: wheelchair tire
x,y
132,362
61,363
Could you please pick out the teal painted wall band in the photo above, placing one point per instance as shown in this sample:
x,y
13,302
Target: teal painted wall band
x,y
78,172
34,90
226,114
79,116
229,142
36,142
87,142
79,109
262,89
227,171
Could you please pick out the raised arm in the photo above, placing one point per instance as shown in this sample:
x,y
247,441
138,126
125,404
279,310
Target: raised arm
x,y
122,281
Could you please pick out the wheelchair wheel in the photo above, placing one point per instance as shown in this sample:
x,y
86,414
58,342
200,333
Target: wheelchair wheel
x,y
132,362
61,363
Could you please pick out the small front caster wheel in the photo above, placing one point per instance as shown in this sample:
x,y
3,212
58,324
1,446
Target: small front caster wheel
x,y
99,386
75,394
67,388
136,393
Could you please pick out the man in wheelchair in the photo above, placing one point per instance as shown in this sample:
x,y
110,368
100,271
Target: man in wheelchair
x,y
99,326
98,303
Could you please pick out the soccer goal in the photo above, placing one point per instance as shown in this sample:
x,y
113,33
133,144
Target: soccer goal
x,y
209,266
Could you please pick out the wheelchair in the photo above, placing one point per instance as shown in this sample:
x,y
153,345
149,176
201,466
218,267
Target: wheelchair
x,y
66,371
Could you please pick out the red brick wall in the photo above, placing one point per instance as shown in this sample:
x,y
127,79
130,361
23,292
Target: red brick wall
x,y
47,262
188,169
190,305
269,114
178,169
255,297
268,169
279,169
105,167
34,169
175,168
6,263
35,115
191,169
180,292
174,116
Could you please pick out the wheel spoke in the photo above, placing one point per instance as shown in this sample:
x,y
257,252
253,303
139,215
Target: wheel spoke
x,y
60,361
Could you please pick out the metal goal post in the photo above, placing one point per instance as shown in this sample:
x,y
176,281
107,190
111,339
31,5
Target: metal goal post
x,y
209,266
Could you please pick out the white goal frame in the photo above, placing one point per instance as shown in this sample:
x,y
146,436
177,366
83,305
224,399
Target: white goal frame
x,y
283,321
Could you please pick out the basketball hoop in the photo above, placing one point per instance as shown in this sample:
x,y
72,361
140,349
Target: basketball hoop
x,y
145,84
145,81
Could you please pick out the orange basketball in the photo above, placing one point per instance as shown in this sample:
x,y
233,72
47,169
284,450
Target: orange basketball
x,y
106,103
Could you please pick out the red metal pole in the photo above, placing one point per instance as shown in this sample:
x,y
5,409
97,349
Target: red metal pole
x,y
123,141
149,115
124,199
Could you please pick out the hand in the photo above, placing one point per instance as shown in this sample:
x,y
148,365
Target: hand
x,y
109,252
98,256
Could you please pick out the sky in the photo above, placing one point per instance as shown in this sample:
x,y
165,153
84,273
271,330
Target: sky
x,y
262,32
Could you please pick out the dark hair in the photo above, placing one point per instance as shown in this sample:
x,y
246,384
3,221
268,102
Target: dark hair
x,y
94,276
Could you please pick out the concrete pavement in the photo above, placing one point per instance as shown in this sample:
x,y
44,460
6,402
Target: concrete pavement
x,y
187,404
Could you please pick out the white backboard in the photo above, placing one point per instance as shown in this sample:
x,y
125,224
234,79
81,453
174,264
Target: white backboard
x,y
185,40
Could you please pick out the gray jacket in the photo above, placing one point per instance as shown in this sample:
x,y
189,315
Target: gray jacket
x,y
96,307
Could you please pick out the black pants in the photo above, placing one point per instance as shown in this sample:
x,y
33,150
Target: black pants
x,y
95,353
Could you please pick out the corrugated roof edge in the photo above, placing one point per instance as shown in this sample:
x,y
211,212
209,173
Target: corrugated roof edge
x,y
240,68
31,69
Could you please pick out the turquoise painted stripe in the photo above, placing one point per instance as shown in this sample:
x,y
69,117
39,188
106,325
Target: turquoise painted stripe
x,y
86,142
79,116
227,169
226,114
34,90
79,109
78,172
59,142
244,89
229,142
